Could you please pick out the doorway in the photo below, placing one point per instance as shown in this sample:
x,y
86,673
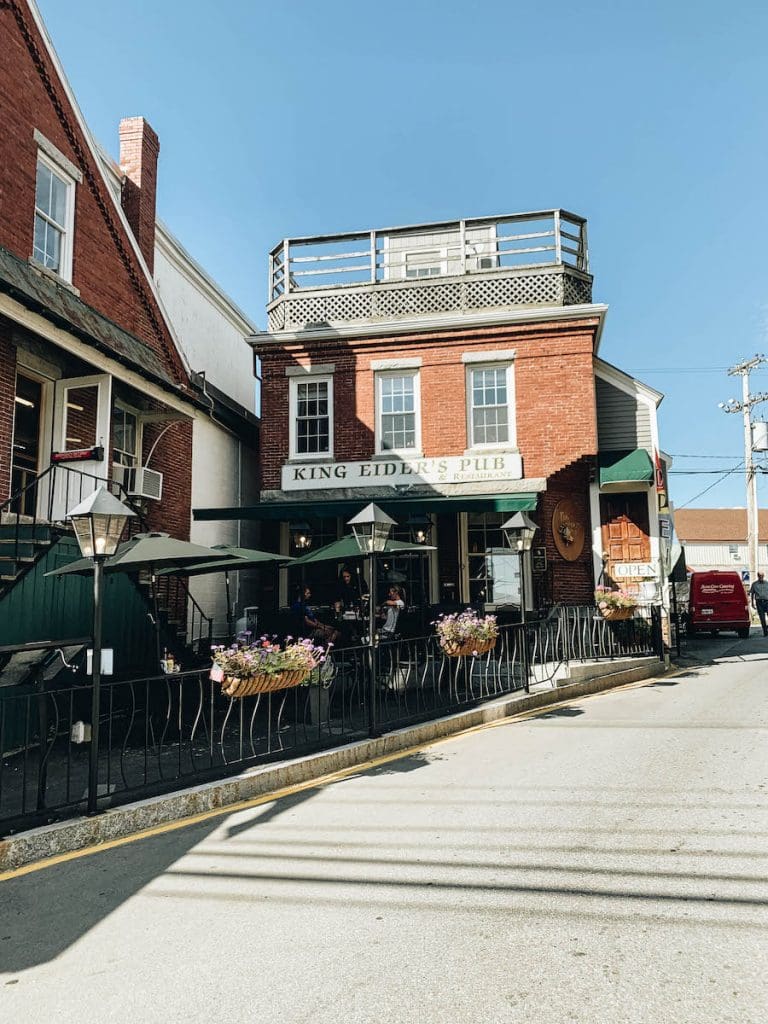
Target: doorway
x,y
25,459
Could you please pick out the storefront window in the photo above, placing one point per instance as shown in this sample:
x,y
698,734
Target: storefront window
x,y
493,568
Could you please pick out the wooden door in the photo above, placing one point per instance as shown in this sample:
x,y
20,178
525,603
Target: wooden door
x,y
624,528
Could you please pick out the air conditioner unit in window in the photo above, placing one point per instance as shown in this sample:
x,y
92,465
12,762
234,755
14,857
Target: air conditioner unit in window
x,y
141,482
119,479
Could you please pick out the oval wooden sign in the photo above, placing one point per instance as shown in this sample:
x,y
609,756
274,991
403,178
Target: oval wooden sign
x,y
568,529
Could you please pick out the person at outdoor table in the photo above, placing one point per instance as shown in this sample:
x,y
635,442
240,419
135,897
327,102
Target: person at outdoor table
x,y
758,594
347,593
309,621
390,612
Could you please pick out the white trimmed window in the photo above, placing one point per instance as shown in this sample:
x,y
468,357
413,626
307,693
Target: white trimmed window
x,y
311,417
54,217
423,264
398,412
490,400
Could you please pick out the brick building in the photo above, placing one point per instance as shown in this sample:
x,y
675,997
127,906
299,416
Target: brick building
x,y
451,371
96,379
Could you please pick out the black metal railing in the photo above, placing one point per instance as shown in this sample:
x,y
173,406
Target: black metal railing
x,y
589,636
164,732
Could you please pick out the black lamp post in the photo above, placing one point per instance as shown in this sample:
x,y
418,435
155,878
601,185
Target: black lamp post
x,y
519,532
371,528
98,522
421,528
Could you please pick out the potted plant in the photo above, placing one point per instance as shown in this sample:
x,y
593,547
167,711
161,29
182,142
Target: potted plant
x,y
245,668
464,633
615,604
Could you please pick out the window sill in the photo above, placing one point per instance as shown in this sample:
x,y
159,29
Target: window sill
x,y
484,449
320,459
53,276
401,455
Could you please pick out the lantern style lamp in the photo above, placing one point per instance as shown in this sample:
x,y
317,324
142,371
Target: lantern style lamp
x,y
519,532
301,535
371,528
420,527
98,523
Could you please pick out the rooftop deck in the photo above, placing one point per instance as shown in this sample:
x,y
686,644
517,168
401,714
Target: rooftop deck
x,y
455,267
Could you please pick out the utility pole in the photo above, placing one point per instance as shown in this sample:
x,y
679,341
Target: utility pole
x,y
745,407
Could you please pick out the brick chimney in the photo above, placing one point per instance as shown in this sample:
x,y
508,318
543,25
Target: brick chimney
x,y
139,150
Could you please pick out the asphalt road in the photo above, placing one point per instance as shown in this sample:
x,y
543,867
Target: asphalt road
x,y
604,862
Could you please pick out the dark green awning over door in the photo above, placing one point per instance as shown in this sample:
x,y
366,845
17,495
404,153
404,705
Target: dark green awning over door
x,y
625,467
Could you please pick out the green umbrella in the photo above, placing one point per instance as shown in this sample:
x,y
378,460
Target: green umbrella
x,y
346,548
236,559
152,551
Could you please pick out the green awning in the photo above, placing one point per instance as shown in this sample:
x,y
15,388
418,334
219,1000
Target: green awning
x,y
398,508
625,467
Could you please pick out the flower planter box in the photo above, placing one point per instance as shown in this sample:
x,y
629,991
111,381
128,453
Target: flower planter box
x,y
468,647
617,614
231,686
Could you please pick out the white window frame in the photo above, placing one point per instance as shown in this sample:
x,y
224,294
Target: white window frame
x,y
68,227
492,364
424,262
136,413
379,376
293,398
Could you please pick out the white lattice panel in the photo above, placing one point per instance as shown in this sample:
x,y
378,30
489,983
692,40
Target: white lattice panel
x,y
444,298
328,307
543,288
277,318
576,291
533,290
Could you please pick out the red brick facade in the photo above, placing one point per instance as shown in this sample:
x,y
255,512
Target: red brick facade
x,y
105,269
555,414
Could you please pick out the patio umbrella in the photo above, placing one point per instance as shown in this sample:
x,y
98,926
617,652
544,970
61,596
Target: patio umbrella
x,y
346,549
231,559
151,551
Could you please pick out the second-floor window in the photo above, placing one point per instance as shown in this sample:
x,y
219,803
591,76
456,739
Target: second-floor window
x,y
311,410
125,436
490,414
397,421
54,218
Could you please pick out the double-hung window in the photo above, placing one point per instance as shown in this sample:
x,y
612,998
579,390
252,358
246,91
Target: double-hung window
x,y
398,427
490,399
311,412
54,217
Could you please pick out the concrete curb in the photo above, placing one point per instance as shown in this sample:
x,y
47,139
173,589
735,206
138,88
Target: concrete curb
x,y
67,836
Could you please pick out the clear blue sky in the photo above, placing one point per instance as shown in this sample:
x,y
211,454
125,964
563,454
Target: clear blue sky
x,y
317,116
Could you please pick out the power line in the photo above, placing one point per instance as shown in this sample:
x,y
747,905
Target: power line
x,y
716,482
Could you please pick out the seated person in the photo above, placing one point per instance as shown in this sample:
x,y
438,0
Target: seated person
x,y
390,611
309,624
347,594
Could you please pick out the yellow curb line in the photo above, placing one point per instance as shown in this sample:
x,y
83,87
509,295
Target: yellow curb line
x,y
299,787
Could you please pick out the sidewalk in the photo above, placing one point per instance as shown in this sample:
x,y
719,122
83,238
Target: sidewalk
x,y
78,833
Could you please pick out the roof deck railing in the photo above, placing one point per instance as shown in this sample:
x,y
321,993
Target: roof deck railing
x,y
423,256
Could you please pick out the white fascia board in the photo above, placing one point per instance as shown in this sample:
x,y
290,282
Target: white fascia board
x,y
94,149
449,321
625,382
38,324
187,265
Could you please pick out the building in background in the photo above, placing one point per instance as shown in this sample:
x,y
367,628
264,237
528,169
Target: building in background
x,y
451,371
716,538
104,327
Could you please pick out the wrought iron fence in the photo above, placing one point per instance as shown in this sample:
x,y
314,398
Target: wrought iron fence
x,y
162,733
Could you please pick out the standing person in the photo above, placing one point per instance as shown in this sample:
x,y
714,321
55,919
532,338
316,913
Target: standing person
x,y
758,593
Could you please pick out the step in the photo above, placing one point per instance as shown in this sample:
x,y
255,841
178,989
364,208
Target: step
x,y
38,533
22,551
